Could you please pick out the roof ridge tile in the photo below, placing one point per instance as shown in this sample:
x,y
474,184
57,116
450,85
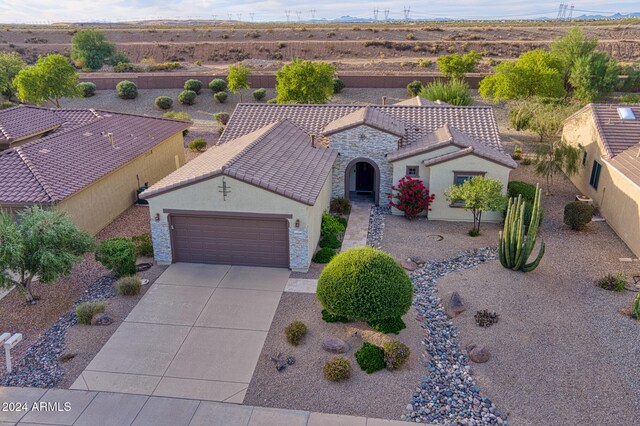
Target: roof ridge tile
x,y
36,174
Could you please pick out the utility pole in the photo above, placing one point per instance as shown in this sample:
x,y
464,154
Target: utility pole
x,y
230,16
560,11
407,11
251,16
298,13
386,14
375,14
288,13
313,14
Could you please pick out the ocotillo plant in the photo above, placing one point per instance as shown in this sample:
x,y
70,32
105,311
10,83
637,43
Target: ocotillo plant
x,y
515,247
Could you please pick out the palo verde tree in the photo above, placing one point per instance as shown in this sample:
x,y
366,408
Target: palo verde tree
x,y
41,243
51,78
90,48
593,76
479,194
457,65
10,65
238,78
305,82
570,48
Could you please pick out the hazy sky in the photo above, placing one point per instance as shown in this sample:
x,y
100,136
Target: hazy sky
x,y
43,11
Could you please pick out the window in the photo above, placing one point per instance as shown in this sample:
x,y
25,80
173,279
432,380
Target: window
x,y
595,174
584,158
413,171
461,177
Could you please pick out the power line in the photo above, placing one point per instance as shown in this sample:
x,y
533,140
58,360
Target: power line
x,y
386,14
407,11
298,13
313,14
375,14
288,13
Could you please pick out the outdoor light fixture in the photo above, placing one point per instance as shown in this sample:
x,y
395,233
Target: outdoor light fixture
x,y
297,223
157,217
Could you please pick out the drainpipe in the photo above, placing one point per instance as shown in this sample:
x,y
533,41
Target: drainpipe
x,y
384,100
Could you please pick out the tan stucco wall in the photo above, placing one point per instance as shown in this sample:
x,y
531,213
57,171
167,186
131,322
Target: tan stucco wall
x,y
439,178
100,203
315,215
617,197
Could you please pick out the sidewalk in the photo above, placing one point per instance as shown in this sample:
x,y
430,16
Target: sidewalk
x,y
85,408
357,228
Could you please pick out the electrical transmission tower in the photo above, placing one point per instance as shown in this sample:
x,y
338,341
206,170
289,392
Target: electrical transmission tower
x,y
298,13
571,11
564,13
386,14
230,16
375,14
560,11
407,11
288,13
313,14
251,16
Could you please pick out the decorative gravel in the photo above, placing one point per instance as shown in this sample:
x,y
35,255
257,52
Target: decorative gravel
x,y
376,225
40,367
447,393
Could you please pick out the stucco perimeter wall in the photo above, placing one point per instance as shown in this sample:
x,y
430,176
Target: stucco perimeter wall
x,y
100,203
617,197
245,198
363,142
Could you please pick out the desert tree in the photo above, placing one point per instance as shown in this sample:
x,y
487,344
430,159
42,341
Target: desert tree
x,y
479,194
238,78
457,65
305,82
10,65
50,79
90,48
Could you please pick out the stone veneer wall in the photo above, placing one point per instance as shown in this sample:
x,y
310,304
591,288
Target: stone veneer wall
x,y
161,242
367,142
299,249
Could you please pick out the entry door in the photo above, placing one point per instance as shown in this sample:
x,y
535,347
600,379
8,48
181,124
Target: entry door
x,y
364,177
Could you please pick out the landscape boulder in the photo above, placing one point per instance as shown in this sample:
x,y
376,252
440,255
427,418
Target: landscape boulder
x,y
335,345
455,306
419,260
408,264
102,319
478,354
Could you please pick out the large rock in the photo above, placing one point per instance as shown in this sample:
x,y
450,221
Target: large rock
x,y
455,306
419,260
479,355
335,345
409,264
102,319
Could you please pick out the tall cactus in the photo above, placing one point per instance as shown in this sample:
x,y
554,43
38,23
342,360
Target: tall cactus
x,y
515,247
635,313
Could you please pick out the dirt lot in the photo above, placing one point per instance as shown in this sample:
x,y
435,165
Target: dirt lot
x,y
381,47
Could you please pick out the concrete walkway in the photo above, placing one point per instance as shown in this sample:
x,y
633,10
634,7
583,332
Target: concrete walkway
x,y
84,408
357,228
197,334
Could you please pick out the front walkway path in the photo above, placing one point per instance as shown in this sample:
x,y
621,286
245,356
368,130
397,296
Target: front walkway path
x,y
197,333
87,408
357,228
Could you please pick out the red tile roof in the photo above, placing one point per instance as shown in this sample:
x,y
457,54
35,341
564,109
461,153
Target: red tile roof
x,y
56,166
616,134
368,116
15,127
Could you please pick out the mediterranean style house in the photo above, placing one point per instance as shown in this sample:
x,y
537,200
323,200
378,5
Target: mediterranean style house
x,y
257,197
609,137
88,162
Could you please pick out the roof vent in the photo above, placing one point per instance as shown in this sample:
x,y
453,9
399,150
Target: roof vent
x,y
87,134
626,113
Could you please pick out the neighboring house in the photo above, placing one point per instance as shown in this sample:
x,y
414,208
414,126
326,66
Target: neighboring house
x,y
609,137
257,197
88,163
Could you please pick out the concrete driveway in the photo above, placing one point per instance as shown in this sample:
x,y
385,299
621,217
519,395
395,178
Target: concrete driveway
x,y
197,333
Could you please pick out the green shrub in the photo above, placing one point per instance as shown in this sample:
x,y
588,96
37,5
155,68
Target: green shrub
x,y
520,116
144,245
221,97
613,282
342,220
199,145
176,115
125,67
331,225
164,66
330,241
127,89
329,317
7,104
259,94
118,254
337,369
474,232
85,311
129,286
272,101
370,357
414,88
340,205
526,161
517,153
338,85
635,309
86,89
365,284
388,325
193,85
453,92
396,354
630,98
324,255
119,58
295,332
221,117
217,85
187,97
163,102
577,215
525,189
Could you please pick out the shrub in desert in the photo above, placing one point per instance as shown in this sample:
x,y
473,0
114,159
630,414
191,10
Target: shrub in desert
x,y
324,255
118,254
91,48
144,245
217,85
396,354
10,65
414,88
85,311
457,65
613,282
337,369
221,97
221,117
198,145
127,89
129,286
338,85
259,94
163,102
577,215
340,205
453,92
635,309
370,357
193,85
411,197
295,332
187,97
331,242
87,89
331,225
305,82
365,284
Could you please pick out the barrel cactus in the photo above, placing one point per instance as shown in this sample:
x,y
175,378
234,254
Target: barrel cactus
x,y
515,245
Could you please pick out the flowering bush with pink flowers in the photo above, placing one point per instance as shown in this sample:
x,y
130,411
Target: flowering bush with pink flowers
x,y
411,197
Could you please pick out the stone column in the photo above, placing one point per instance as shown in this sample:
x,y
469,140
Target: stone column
x,y
161,242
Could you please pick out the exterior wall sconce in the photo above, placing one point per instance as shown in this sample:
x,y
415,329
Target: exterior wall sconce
x,y
157,217
297,223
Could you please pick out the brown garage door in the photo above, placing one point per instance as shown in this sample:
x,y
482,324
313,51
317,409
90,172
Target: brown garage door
x,y
250,241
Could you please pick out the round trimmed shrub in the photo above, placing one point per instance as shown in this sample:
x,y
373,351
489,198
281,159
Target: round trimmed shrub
x,y
370,357
365,284
129,286
217,85
414,88
338,85
221,117
221,97
324,255
87,89
330,241
118,254
163,102
127,89
259,94
187,97
577,215
199,145
395,354
525,189
295,332
193,85
388,325
337,369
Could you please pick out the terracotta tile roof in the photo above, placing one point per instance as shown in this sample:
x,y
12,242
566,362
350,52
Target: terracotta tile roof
x,y
616,134
477,121
420,101
74,157
277,157
446,136
369,116
22,122
628,163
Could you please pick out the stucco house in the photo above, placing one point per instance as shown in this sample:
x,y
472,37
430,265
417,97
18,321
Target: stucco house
x,y
257,197
88,163
609,137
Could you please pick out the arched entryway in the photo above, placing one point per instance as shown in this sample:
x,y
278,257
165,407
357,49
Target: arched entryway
x,y
362,181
